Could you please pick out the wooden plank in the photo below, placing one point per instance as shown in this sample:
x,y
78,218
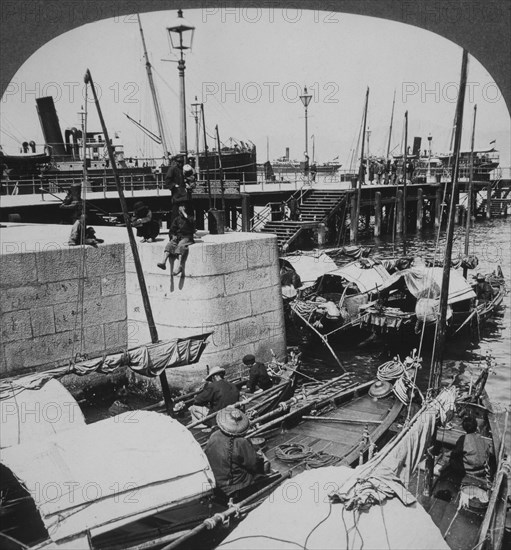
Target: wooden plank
x,y
328,434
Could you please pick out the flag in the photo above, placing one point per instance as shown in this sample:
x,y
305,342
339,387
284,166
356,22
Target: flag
x,y
336,157
492,142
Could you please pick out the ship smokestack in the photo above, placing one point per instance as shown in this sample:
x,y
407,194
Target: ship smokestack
x,y
417,146
50,126
287,153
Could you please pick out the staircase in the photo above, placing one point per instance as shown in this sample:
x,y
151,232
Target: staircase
x,y
500,200
316,208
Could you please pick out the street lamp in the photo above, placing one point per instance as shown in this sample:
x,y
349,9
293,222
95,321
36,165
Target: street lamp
x,y
428,174
196,108
306,98
181,38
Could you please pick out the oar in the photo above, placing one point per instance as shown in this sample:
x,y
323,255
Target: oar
x,y
475,312
238,404
342,420
325,341
221,517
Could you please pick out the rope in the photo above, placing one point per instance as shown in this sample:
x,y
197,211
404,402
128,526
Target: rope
x,y
296,452
390,370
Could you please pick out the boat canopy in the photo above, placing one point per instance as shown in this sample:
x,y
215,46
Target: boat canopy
x,y
424,282
110,473
310,268
367,275
308,519
35,414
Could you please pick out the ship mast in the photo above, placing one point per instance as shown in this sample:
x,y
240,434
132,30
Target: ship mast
x,y
360,172
444,295
391,121
157,111
470,191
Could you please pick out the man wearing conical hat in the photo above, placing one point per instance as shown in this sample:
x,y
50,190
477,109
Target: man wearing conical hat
x,y
216,394
234,460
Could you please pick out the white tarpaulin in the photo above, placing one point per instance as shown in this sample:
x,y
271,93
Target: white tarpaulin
x,y
367,279
35,414
131,465
427,282
299,514
310,268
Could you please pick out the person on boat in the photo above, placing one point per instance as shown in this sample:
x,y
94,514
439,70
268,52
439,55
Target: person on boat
x,y
175,181
236,464
258,377
472,456
181,234
217,394
484,290
89,238
120,405
147,228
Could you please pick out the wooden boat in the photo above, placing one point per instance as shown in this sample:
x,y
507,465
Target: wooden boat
x,y
392,496
171,501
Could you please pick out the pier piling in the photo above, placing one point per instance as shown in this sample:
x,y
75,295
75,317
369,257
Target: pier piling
x,y
420,209
353,220
399,213
438,208
377,214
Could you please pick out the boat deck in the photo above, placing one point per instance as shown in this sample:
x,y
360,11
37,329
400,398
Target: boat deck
x,y
339,432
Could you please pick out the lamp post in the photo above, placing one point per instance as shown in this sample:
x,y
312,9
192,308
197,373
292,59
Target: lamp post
x,y
428,174
196,111
181,38
306,98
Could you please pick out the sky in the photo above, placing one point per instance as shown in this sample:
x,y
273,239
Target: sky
x,y
249,66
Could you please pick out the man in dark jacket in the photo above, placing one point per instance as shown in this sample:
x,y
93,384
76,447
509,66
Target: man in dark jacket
x,y
259,377
233,459
175,181
216,395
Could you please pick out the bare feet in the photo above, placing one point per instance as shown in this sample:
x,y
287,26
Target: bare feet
x,y
161,265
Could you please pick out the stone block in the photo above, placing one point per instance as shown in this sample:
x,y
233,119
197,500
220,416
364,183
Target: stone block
x,y
48,294
266,299
16,326
42,320
17,270
244,281
262,252
64,264
105,260
116,334
113,284
217,258
98,311
191,287
247,330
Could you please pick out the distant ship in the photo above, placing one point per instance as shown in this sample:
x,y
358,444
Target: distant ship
x,y
284,165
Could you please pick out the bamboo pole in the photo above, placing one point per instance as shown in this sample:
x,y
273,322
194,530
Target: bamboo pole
x,y
360,173
134,249
441,332
470,192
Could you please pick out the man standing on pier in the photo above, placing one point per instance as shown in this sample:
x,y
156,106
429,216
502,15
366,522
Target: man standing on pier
x,y
175,181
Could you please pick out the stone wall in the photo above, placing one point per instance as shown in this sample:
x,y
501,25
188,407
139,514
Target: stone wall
x,y
41,313
231,288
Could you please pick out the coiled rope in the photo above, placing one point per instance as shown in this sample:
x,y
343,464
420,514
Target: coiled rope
x,y
390,370
296,452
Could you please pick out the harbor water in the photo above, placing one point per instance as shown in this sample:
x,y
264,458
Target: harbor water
x,y
490,241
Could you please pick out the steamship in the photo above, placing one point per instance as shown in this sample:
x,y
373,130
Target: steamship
x,y
61,164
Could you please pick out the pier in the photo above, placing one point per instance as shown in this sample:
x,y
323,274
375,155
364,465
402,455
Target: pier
x,y
326,207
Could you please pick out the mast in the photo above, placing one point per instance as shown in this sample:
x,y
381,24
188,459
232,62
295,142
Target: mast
x,y
360,171
444,295
206,158
313,147
391,121
85,172
156,104
470,190
136,257
405,160
220,169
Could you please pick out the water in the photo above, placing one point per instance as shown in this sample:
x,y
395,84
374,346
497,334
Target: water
x,y
490,241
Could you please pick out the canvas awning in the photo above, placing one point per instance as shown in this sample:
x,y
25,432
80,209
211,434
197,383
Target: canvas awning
x,y
367,279
420,280
307,519
310,268
36,414
117,469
